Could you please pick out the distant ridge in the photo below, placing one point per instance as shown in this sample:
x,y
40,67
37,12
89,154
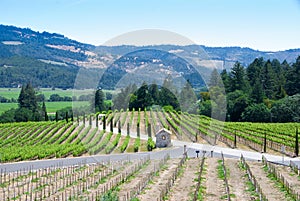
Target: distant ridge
x,y
41,55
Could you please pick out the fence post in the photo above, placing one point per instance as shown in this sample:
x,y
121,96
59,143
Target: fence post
x,y
104,122
297,143
265,143
111,125
149,130
96,120
138,129
235,139
128,129
119,126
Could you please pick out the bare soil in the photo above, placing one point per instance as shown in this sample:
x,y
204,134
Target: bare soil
x,y
154,189
237,181
214,186
184,186
269,188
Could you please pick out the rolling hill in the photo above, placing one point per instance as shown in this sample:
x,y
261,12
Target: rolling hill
x,y
53,60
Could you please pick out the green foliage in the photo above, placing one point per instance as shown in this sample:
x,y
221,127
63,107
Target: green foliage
x,y
286,109
28,109
256,113
125,144
99,101
150,144
137,144
187,98
109,196
293,78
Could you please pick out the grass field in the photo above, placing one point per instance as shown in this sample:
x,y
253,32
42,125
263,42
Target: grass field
x,y
10,93
14,92
51,106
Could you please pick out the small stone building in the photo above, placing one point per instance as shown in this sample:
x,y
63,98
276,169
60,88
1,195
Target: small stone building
x,y
163,138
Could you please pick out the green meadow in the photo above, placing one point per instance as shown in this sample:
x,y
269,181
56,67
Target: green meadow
x,y
52,107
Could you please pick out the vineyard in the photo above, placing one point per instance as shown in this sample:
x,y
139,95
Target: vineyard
x,y
183,178
202,178
96,134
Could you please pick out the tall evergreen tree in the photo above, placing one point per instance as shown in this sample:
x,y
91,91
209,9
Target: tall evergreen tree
x,y
168,84
226,81
44,111
238,76
154,92
254,69
293,78
187,97
29,109
99,101
27,98
215,79
268,79
257,93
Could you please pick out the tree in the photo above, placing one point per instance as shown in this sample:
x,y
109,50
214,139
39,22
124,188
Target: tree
x,y
141,98
226,81
44,110
286,109
215,79
122,99
293,78
257,93
99,101
168,98
237,102
238,77
29,109
256,113
154,92
168,84
27,98
187,98
254,69
268,80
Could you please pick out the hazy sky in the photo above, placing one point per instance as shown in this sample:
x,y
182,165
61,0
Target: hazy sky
x,y
258,24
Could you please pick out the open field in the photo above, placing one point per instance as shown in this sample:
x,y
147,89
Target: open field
x,y
14,92
52,107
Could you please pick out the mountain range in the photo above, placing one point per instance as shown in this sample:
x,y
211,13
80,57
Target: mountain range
x,y
53,60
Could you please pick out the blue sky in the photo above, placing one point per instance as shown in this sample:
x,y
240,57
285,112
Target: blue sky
x,y
258,24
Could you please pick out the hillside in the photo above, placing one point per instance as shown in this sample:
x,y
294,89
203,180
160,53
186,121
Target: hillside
x,y
53,60
142,176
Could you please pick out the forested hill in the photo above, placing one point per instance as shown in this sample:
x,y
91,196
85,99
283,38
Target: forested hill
x,y
51,59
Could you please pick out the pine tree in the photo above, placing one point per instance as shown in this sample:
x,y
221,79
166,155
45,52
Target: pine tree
x,y
268,79
27,98
238,76
154,92
99,101
257,93
44,110
187,97
293,79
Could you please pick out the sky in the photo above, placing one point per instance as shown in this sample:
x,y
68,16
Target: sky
x,y
268,25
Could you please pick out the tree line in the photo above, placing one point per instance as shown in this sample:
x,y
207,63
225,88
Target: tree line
x,y
29,109
264,91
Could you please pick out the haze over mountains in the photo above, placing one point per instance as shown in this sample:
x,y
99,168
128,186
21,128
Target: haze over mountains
x,y
53,60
